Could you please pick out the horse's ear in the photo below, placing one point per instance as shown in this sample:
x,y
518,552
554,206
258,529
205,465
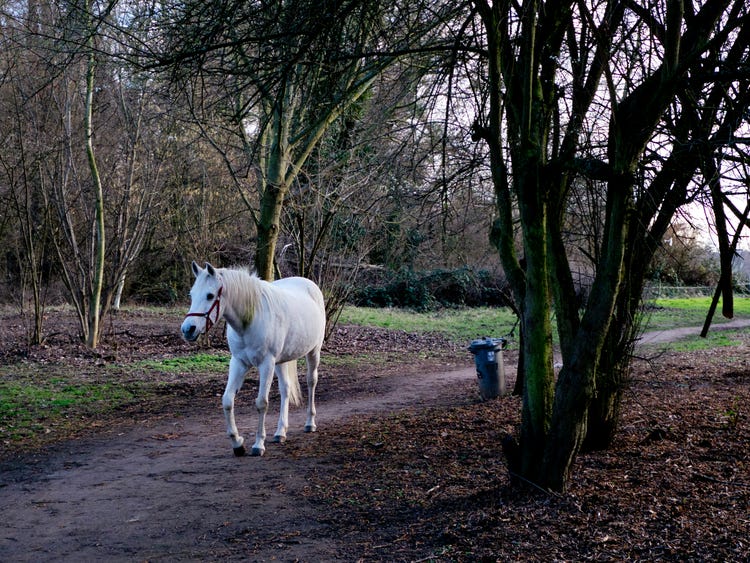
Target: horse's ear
x,y
210,269
196,268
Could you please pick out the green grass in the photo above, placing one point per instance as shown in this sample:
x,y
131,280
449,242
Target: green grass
x,y
673,313
37,399
357,360
723,339
210,363
457,324
30,403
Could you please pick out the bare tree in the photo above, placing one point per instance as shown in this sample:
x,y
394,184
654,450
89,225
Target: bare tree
x,y
279,75
19,164
79,110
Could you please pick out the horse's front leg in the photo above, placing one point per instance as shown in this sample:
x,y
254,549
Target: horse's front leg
x,y
282,371
265,371
237,371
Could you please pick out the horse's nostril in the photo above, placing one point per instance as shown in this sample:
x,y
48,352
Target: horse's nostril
x,y
189,330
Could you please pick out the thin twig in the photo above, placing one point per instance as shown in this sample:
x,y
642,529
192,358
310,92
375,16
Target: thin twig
x,y
527,481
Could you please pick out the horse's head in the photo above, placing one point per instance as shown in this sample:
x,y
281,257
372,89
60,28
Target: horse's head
x,y
205,307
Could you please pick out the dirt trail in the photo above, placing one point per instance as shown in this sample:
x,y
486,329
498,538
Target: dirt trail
x,y
168,492
172,490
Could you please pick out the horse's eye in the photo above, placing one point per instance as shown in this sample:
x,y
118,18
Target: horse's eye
x,y
210,296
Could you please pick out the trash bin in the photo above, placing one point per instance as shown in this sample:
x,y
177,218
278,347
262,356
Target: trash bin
x,y
488,357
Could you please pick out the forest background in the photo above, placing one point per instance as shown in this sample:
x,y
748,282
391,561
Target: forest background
x,y
396,193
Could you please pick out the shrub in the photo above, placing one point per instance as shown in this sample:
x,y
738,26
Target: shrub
x,y
423,291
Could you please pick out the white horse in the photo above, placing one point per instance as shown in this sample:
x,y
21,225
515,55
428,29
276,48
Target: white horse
x,y
269,326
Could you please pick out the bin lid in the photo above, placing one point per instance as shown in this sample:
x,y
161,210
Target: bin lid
x,y
487,343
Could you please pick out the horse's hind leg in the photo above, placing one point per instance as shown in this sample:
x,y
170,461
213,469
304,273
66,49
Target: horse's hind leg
x,y
237,371
313,360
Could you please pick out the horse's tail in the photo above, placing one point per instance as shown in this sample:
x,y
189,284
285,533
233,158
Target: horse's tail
x,y
289,371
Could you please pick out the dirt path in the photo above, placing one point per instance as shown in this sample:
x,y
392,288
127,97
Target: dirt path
x,y
172,490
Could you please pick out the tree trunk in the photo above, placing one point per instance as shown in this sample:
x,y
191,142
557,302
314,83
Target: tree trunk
x,y
573,395
536,323
603,416
268,230
118,292
520,369
92,339
614,366
667,192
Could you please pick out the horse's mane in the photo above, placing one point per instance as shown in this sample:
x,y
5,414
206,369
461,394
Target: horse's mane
x,y
245,292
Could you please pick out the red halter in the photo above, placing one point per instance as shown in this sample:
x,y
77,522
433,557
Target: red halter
x,y
207,315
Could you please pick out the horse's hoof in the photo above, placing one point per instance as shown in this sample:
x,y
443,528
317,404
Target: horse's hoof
x,y
311,428
257,452
279,439
239,452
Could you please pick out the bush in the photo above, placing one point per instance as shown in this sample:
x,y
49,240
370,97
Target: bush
x,y
423,291
405,289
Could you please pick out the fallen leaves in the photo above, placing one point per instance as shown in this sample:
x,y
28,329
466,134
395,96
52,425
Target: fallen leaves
x,y
432,483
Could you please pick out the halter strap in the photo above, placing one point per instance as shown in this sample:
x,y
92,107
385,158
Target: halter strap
x,y
207,315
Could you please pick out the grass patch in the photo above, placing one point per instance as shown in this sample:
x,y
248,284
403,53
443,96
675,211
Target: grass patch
x,y
30,405
723,339
201,362
691,311
460,325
